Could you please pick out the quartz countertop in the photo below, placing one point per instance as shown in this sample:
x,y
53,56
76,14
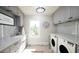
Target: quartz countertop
x,y
7,41
69,37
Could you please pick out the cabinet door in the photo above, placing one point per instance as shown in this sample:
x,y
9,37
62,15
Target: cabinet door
x,y
66,13
12,9
17,20
56,17
21,19
78,28
74,10
62,14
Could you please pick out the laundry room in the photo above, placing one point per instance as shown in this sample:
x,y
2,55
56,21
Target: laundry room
x,y
39,29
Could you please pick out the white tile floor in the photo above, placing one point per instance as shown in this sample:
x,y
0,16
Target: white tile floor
x,y
37,49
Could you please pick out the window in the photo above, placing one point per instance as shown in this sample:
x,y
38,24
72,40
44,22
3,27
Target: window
x,y
34,28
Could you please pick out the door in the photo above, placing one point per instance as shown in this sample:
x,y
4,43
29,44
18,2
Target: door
x,y
34,31
63,49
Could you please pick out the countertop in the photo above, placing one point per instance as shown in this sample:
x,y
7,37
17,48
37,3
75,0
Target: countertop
x,y
7,41
69,37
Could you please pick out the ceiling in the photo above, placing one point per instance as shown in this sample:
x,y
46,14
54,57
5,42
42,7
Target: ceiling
x,y
31,10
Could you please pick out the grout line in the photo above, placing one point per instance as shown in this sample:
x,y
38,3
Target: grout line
x,y
2,32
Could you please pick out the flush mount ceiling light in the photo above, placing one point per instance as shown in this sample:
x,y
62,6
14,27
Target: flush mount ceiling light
x,y
40,10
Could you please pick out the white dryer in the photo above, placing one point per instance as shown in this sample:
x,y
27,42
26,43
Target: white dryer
x,y
53,42
65,46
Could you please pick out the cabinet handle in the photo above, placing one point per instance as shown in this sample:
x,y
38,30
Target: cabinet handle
x,y
9,10
59,21
70,18
70,43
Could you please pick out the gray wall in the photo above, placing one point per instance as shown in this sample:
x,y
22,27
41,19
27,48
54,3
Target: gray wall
x,y
67,28
44,32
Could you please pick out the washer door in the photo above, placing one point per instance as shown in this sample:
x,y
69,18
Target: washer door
x,y
63,49
53,42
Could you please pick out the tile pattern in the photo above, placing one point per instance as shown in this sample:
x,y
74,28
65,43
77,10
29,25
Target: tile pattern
x,y
0,32
9,31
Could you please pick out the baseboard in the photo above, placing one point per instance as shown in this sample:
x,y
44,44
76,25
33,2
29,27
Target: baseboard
x,y
40,43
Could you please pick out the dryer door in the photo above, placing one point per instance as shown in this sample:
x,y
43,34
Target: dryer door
x,y
63,49
53,42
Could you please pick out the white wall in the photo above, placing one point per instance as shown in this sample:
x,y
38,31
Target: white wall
x,y
44,33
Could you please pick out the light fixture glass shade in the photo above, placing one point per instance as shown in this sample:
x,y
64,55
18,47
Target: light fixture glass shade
x,y
40,10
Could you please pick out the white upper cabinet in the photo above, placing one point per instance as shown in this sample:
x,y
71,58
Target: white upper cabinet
x,y
13,9
4,19
16,11
74,11
62,14
66,13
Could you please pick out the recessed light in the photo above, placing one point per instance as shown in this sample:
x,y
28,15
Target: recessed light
x,y
40,10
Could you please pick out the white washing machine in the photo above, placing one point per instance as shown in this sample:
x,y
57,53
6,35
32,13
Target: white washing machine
x,y
53,42
65,46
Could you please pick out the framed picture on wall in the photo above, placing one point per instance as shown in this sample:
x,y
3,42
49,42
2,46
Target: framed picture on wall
x,y
46,24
